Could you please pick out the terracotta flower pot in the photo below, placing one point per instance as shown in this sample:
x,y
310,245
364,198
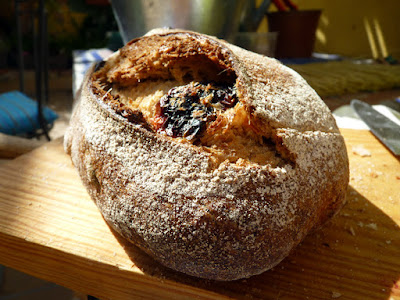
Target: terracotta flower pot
x,y
296,32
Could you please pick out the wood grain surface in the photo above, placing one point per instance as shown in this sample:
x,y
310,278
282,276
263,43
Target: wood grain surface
x,y
51,229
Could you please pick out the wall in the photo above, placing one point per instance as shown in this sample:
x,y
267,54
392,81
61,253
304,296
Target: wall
x,y
357,28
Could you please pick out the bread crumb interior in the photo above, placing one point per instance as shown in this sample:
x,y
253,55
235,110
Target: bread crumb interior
x,y
134,82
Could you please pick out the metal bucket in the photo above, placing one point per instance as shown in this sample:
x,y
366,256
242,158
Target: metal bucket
x,y
220,18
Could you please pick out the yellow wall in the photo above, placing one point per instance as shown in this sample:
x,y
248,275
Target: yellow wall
x,y
357,28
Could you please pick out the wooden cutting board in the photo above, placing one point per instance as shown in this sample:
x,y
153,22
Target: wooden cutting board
x,y
51,229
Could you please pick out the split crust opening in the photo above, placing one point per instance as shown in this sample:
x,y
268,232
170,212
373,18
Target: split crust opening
x,y
186,91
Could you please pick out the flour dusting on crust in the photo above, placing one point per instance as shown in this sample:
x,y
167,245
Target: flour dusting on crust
x,y
220,221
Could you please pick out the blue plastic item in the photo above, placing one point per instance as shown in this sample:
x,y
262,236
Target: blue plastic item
x,y
19,114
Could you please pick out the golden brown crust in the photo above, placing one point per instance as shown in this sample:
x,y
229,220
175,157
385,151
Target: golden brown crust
x,y
225,221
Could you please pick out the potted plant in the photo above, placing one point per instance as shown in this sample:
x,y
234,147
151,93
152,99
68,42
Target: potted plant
x,y
296,29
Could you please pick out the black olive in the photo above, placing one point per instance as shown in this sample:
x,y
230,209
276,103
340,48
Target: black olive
x,y
186,110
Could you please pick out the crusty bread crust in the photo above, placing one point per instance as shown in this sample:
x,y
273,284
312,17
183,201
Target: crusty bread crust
x,y
221,222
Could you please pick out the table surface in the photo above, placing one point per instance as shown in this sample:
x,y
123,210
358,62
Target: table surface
x,y
50,228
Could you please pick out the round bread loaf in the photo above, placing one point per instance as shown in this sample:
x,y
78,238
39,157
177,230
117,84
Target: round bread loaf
x,y
214,160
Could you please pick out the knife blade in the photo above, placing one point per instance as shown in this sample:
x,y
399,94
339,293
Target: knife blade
x,y
387,131
393,104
